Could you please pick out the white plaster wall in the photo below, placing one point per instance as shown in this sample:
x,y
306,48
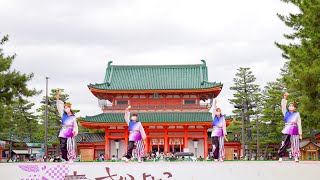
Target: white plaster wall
x,y
113,150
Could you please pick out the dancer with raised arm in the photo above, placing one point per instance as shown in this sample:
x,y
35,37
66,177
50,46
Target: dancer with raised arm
x,y
219,132
136,135
292,131
68,130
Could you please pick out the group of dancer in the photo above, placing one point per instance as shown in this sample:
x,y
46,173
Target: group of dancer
x,y
292,131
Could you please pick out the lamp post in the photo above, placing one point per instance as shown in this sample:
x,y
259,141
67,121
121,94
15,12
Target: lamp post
x,y
117,147
46,122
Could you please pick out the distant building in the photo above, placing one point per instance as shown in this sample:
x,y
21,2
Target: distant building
x,y
171,102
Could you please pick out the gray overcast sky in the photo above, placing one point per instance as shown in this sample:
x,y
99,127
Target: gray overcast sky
x,y
72,41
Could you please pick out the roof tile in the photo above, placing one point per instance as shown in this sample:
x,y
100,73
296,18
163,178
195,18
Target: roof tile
x,y
160,117
156,77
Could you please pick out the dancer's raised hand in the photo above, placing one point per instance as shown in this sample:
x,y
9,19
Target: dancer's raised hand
x,y
285,95
58,94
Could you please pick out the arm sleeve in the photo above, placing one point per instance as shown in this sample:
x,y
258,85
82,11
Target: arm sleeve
x,y
75,126
284,106
213,110
60,107
142,132
127,116
224,128
299,125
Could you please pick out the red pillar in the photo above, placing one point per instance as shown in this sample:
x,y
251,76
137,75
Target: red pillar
x,y
205,143
166,142
185,143
114,101
126,139
106,145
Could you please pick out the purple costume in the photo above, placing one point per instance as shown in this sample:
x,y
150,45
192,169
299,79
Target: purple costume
x,y
219,130
69,125
291,131
136,136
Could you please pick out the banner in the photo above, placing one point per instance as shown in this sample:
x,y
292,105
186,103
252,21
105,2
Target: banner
x,y
160,170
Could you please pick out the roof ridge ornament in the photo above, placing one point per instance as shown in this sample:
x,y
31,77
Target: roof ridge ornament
x,y
110,76
204,62
201,76
109,63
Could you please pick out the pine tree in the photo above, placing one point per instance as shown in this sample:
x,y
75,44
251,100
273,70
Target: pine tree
x,y
303,55
245,89
271,115
25,122
13,90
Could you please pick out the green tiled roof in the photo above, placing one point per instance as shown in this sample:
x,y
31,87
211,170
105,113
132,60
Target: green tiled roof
x,y
91,137
156,77
159,117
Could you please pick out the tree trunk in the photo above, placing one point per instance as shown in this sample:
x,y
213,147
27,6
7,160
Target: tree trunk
x,y
265,151
58,149
258,139
312,136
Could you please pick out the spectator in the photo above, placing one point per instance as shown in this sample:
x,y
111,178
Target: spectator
x,y
32,159
51,159
57,158
101,157
40,159
200,158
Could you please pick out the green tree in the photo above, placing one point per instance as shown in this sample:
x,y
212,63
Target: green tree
x,y
25,122
303,55
271,115
13,90
245,89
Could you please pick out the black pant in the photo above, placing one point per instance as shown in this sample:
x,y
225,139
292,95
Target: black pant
x,y
130,148
215,142
284,145
63,148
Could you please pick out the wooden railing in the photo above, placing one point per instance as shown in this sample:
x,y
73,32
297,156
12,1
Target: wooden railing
x,y
184,106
